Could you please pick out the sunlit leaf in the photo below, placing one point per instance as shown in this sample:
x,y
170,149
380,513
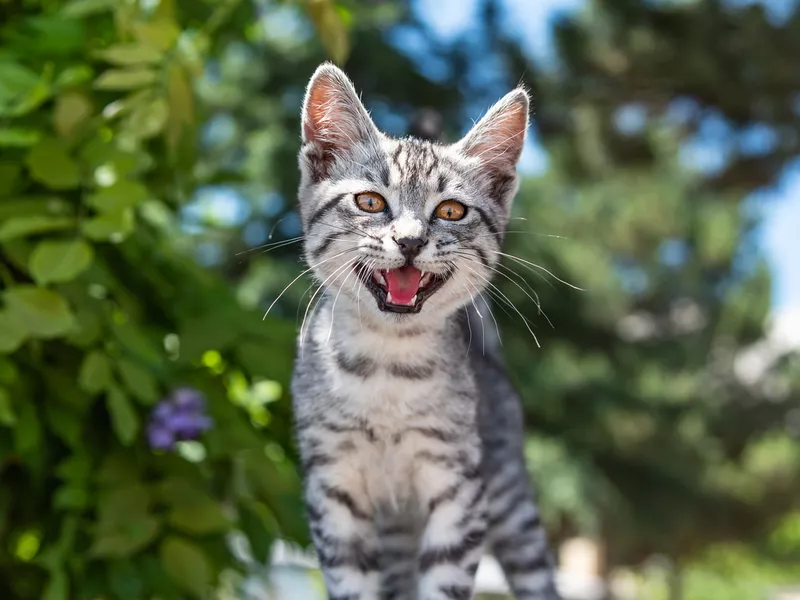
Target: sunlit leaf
x,y
131,54
331,28
71,110
160,34
58,261
127,79
84,8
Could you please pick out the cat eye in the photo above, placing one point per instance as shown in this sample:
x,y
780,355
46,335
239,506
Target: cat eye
x,y
370,202
450,210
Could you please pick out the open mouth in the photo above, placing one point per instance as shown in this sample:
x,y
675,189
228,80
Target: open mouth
x,y
402,290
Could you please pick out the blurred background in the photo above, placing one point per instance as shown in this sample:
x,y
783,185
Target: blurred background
x,y
148,219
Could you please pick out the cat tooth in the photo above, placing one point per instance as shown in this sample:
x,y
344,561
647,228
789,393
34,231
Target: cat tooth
x,y
378,276
414,300
389,298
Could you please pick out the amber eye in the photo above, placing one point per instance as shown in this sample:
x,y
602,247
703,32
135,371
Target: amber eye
x,y
370,202
450,210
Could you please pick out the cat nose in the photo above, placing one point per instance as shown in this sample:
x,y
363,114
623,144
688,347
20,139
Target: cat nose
x,y
411,246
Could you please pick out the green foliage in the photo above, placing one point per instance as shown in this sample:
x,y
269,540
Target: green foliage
x,y
102,314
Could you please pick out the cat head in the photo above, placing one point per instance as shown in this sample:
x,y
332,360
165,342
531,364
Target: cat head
x,y
404,229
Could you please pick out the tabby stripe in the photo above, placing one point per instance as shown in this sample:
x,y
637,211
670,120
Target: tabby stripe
x,y
355,365
457,592
344,499
325,209
411,371
489,222
315,461
327,242
447,495
452,554
506,511
515,566
437,434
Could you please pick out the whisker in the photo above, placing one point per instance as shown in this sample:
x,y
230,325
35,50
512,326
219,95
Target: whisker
x,y
271,245
534,298
310,302
527,262
505,298
336,298
311,268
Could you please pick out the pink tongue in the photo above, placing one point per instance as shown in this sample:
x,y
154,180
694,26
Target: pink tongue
x,y
403,284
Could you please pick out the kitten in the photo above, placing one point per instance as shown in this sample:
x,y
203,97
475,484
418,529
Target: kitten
x,y
410,433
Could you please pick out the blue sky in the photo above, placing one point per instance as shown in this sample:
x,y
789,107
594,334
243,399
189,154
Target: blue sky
x,y
780,204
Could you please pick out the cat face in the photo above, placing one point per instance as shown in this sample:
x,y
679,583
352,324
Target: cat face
x,y
401,228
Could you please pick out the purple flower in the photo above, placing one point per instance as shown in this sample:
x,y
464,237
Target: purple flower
x,y
180,416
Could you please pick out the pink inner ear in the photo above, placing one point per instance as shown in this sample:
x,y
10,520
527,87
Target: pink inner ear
x,y
499,137
321,98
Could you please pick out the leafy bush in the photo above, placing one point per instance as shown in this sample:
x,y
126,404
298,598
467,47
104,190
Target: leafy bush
x,y
102,316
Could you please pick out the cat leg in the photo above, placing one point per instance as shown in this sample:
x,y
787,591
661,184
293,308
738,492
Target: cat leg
x,y
344,535
516,536
400,536
453,537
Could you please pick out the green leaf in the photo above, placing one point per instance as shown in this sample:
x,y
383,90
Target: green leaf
x,y
77,467
74,76
59,261
130,54
111,226
28,431
9,177
95,373
57,587
254,524
116,198
77,9
19,137
50,164
43,313
139,381
7,416
71,110
125,538
127,79
17,227
124,419
126,582
13,332
67,425
192,509
187,565
71,497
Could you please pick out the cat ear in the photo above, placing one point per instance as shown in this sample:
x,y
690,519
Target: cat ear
x,y
498,138
334,119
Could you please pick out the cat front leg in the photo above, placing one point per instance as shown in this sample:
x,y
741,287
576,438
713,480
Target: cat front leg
x,y
453,539
344,534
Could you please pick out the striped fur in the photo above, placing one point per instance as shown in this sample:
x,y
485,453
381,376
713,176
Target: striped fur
x,y
409,431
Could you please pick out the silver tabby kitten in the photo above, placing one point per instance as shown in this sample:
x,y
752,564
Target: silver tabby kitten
x,y
409,430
